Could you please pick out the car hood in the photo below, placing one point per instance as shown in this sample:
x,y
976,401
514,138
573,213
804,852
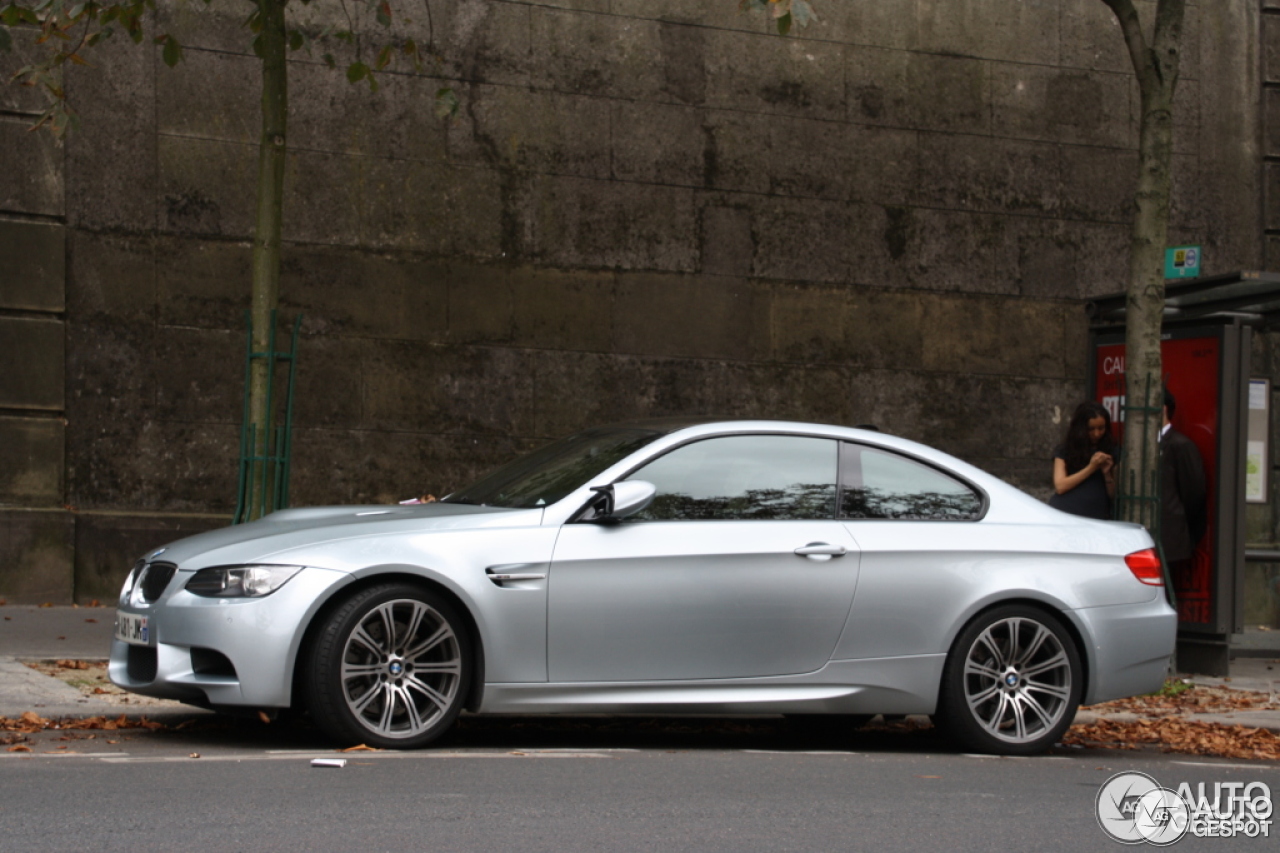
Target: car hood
x,y
294,528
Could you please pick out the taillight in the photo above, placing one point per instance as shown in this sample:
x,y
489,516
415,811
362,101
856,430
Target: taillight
x,y
1145,566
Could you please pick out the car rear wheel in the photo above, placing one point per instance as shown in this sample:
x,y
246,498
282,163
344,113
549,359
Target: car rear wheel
x,y
1012,682
388,668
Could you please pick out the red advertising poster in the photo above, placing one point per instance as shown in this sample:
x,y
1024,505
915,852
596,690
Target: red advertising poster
x,y
1191,369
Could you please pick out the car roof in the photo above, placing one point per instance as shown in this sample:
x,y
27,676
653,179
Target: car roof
x,y
676,423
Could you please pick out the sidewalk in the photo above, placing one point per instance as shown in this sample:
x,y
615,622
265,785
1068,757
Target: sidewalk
x,y
84,633
1252,674
63,633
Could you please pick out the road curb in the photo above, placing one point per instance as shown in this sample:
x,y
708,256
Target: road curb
x,y
1269,720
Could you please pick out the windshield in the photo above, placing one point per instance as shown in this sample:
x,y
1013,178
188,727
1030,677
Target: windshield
x,y
547,475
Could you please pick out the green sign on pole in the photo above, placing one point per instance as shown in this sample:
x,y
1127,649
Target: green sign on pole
x,y
1182,262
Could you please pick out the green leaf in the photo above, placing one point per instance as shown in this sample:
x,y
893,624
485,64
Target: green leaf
x,y
6,42
356,72
784,24
384,14
446,103
330,61
753,5
172,51
76,11
296,40
384,58
802,12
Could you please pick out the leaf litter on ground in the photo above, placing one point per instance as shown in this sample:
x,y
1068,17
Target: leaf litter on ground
x,y
1163,723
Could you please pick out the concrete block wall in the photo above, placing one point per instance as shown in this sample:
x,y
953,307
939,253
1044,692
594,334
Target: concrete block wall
x,y
643,207
35,529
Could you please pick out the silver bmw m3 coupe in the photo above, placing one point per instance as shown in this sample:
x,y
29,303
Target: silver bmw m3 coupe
x,y
732,567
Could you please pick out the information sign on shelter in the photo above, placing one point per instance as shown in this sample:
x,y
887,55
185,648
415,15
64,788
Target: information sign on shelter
x,y
1182,262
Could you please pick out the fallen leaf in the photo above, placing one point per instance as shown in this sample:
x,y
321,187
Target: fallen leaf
x,y
360,748
928,777
95,603
47,604
62,638
92,621
19,748
1174,734
262,715
194,755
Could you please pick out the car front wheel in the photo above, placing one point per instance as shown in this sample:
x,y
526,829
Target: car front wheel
x,y
388,668
1012,682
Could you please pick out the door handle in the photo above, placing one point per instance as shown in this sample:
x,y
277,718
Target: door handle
x,y
821,549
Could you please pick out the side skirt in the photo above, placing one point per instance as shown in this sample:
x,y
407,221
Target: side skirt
x,y
900,685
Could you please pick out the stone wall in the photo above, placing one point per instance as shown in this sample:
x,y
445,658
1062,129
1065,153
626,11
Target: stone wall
x,y
643,207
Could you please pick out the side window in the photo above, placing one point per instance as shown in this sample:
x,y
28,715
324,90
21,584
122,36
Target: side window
x,y
744,477
879,484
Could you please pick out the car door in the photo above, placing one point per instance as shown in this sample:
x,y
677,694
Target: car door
x,y
922,551
737,569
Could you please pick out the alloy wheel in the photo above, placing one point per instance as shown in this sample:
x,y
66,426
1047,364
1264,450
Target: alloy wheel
x,y
1018,680
401,668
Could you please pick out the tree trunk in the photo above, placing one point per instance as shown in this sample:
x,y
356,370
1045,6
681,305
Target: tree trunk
x,y
266,237
1156,66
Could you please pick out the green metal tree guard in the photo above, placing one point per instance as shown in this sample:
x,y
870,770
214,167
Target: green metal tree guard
x,y
1142,502
267,472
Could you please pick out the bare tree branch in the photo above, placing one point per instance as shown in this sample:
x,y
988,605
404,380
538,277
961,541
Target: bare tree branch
x,y
1131,27
1165,45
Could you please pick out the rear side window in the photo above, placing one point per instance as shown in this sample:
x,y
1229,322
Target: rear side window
x,y
879,484
744,477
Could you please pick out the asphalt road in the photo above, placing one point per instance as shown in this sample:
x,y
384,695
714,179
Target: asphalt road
x,y
548,785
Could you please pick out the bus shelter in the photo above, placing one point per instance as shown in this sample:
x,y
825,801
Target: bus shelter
x,y
1209,325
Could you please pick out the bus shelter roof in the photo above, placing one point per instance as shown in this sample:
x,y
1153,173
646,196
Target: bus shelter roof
x,y
1241,297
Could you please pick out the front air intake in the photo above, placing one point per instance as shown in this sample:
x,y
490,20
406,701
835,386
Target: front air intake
x,y
142,664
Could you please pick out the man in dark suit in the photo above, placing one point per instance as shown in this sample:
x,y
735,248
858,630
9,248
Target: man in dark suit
x,y
1183,518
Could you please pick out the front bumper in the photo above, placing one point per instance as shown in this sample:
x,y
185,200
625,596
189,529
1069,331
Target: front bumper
x,y
222,651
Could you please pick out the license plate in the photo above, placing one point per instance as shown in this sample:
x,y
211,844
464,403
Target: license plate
x,y
132,628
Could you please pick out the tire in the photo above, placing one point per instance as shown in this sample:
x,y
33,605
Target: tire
x,y
1011,684
389,668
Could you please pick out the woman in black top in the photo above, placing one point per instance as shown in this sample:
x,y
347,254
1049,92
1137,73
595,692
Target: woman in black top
x,y
1084,464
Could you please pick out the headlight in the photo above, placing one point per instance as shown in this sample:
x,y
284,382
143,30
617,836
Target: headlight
x,y
130,580
240,581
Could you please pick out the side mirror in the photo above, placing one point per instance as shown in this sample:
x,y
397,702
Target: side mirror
x,y
616,501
